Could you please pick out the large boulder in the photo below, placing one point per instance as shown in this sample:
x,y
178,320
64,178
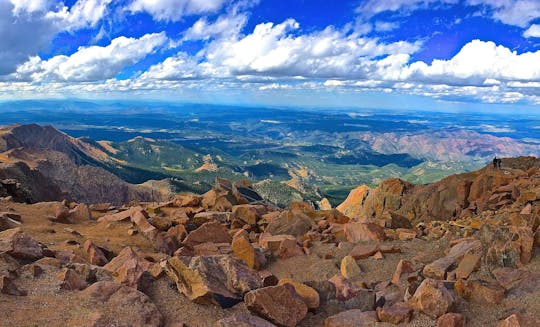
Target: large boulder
x,y
279,304
290,223
218,279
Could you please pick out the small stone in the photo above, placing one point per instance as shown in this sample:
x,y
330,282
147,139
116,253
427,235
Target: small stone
x,y
378,256
279,304
451,320
352,318
349,268
432,298
127,267
310,296
20,245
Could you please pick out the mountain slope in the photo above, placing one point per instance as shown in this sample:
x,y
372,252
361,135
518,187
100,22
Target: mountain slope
x,y
40,155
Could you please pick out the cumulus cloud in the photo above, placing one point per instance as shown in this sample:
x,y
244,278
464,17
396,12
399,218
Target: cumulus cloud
x,y
223,26
373,7
28,26
174,10
91,63
273,50
477,62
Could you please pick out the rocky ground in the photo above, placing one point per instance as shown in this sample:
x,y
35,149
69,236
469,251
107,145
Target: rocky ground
x,y
227,258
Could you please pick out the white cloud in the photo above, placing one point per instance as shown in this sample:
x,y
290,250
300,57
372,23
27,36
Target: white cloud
x,y
28,26
477,62
273,50
174,10
532,31
373,7
511,12
91,63
223,26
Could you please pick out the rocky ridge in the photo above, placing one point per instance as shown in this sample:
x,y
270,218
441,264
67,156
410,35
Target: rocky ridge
x,y
460,252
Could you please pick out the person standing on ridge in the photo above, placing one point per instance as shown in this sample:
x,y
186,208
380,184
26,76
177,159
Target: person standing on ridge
x,y
495,162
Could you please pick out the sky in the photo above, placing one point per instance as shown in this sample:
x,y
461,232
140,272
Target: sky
x,y
421,54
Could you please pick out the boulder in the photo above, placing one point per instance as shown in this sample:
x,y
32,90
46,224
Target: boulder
x,y
289,223
399,313
516,281
127,268
218,279
7,222
467,265
519,320
352,318
211,231
308,294
438,268
81,213
206,216
349,268
364,251
95,255
451,320
20,245
508,246
432,298
7,286
278,304
362,232
243,320
123,306
404,267
71,280
244,250
249,213
479,291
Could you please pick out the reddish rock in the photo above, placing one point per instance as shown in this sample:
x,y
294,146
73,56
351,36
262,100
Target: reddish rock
x,y
278,304
218,279
140,219
206,216
8,287
479,291
71,280
20,245
127,268
467,265
95,255
404,267
125,306
243,320
308,294
363,251
243,250
361,232
378,256
349,268
249,213
352,318
177,233
122,215
399,313
437,269
432,298
289,223
451,320
519,320
211,231
517,282
81,213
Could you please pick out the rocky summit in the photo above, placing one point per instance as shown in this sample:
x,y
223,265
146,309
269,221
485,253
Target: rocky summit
x,y
464,251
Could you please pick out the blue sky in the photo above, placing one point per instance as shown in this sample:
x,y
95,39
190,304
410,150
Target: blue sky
x,y
424,54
